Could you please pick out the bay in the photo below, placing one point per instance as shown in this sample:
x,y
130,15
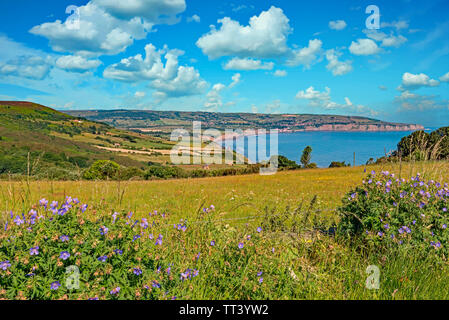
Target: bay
x,y
330,146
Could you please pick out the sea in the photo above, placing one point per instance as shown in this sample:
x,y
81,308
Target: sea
x,y
328,146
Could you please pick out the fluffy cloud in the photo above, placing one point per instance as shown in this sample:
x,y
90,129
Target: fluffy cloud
x,y
386,40
107,26
394,41
337,25
445,78
415,102
306,56
363,47
195,18
323,100
150,10
187,82
214,99
151,67
264,37
169,80
76,63
248,64
337,67
315,97
401,24
415,81
139,94
235,80
280,73
30,67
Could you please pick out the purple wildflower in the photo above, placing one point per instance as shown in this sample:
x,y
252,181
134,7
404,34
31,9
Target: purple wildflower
x,y
104,230
137,271
55,285
34,251
115,291
43,202
64,255
5,265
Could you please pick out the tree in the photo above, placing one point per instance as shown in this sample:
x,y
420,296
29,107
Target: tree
x,y
285,163
102,170
337,164
306,156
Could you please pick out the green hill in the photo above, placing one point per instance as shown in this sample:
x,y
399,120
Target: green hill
x,y
163,122
38,141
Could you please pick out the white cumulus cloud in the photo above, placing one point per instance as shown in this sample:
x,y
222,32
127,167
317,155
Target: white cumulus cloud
x,y
323,100
337,25
280,73
363,47
306,56
107,26
195,18
445,78
76,63
337,67
30,67
412,81
247,64
169,80
264,37
150,10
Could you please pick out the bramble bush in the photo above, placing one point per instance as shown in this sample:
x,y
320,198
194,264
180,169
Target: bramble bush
x,y
393,212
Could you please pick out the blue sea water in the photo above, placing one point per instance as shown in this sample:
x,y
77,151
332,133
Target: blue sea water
x,y
333,146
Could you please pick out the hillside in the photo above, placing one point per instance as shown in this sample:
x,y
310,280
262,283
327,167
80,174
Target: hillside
x,y
163,122
43,142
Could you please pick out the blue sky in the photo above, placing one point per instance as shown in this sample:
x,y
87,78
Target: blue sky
x,y
230,56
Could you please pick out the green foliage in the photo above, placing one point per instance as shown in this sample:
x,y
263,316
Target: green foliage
x,y
102,170
286,164
421,145
306,156
164,172
337,164
389,212
130,173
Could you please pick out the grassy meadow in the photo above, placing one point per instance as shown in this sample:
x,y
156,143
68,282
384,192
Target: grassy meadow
x,y
235,196
223,254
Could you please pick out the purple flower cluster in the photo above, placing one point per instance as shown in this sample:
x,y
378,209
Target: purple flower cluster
x,y
189,274
5,265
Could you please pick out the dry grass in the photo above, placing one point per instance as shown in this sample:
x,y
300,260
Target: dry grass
x,y
236,196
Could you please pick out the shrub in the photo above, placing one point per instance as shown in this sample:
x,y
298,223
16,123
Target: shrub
x,y
102,170
164,172
287,164
130,173
396,212
337,164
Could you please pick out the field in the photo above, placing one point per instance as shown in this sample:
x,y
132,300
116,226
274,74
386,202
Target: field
x,y
236,196
278,263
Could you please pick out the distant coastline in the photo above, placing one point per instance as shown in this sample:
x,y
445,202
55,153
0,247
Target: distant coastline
x,y
330,128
